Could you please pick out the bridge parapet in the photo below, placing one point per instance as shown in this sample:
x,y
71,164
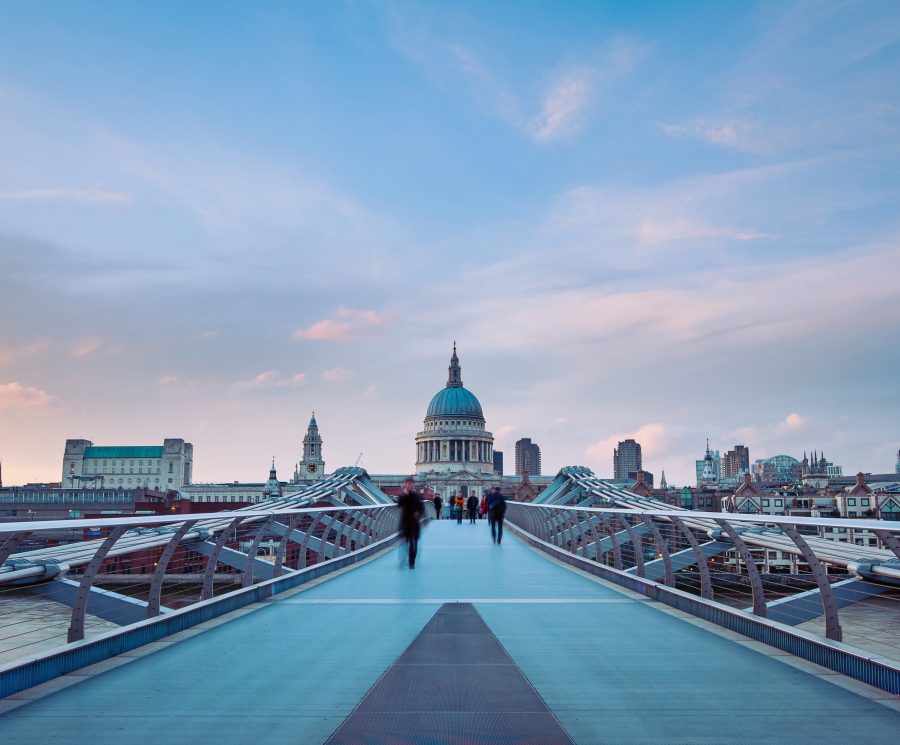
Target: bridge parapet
x,y
781,572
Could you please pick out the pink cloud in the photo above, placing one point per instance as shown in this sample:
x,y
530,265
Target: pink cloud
x,y
14,395
168,380
653,438
270,380
85,348
346,323
793,421
336,374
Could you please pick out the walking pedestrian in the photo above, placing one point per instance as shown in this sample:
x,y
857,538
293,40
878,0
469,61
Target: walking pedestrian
x,y
411,508
458,508
438,505
482,508
472,505
496,513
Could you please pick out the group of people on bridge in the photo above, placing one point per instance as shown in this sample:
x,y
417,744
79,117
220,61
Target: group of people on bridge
x,y
492,506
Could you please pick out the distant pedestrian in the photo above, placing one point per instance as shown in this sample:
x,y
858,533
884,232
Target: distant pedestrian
x,y
482,508
472,506
411,508
496,513
458,508
438,505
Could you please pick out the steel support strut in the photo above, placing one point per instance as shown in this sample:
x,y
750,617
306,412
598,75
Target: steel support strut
x,y
706,588
832,623
213,561
156,582
76,625
756,586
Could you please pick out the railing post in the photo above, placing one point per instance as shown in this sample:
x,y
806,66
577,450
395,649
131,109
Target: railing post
x,y
636,545
212,562
11,544
617,552
756,585
156,581
247,577
706,587
76,625
662,549
282,546
887,538
832,623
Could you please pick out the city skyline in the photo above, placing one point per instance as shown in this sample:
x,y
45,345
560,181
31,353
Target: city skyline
x,y
663,223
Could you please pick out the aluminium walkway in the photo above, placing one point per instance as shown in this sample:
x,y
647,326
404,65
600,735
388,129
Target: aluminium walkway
x,y
442,652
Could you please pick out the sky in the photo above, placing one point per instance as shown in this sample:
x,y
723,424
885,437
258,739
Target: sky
x,y
667,221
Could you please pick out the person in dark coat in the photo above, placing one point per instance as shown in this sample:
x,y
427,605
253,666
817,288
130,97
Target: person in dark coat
x,y
411,509
472,506
438,505
496,513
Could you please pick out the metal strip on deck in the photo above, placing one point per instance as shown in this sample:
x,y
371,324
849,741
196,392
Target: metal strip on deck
x,y
455,683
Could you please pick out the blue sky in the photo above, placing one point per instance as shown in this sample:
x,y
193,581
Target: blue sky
x,y
662,220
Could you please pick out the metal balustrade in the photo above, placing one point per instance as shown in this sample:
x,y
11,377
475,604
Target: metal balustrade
x,y
773,567
144,567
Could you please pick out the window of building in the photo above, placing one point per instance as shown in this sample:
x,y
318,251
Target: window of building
x,y
765,503
851,502
864,502
779,503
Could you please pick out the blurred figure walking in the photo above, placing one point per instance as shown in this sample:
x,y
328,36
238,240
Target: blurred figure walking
x,y
411,508
472,506
496,513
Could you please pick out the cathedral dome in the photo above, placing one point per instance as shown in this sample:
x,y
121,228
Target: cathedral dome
x,y
454,402
454,399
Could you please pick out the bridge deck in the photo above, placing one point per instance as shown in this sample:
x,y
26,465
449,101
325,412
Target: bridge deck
x,y
612,668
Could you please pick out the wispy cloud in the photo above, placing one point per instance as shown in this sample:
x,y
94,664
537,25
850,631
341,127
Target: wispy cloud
x,y
337,374
86,196
85,348
203,335
271,380
14,395
563,107
13,353
168,380
740,133
346,324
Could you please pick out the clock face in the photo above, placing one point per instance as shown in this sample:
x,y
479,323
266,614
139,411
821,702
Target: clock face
x,y
311,468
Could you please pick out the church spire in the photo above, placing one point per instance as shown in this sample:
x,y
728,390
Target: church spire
x,y
454,380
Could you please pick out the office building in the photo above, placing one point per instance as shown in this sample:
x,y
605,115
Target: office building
x,y
528,457
627,460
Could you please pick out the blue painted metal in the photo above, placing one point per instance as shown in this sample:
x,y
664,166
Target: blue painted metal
x,y
110,606
878,672
655,569
19,676
805,606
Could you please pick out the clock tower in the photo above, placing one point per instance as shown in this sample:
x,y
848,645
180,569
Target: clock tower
x,y
311,467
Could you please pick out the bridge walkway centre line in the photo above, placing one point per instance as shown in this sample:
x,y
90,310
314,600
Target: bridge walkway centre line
x,y
611,667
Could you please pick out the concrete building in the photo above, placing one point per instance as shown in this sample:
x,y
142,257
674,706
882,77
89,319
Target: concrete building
x,y
627,460
498,462
735,463
162,467
528,457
